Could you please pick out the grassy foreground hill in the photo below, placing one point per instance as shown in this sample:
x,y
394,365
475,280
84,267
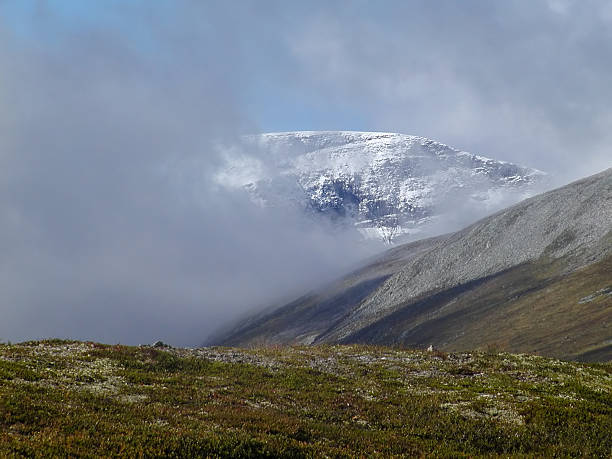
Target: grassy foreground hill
x,y
61,398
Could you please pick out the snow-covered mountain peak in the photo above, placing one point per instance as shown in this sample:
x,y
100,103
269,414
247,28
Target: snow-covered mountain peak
x,y
386,184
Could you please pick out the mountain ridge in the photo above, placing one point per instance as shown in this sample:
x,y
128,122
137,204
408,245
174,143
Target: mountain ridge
x,y
496,255
539,258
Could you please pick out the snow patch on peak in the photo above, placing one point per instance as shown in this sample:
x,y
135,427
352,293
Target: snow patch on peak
x,y
388,185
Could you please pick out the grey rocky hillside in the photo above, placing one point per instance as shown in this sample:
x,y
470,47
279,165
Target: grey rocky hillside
x,y
539,258
570,222
306,318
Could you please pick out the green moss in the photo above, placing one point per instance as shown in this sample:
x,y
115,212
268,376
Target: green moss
x,y
91,400
11,370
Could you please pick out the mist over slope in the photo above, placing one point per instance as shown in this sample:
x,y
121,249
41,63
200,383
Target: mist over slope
x,y
546,258
390,186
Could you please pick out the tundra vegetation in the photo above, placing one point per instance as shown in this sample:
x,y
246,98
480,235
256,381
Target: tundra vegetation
x,y
69,398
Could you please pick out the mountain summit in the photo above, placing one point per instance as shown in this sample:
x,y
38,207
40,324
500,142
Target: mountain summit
x,y
392,186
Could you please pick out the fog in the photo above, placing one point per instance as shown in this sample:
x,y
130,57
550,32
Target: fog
x,y
111,227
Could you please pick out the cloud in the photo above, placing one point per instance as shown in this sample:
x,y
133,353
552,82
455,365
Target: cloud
x,y
560,6
516,81
111,227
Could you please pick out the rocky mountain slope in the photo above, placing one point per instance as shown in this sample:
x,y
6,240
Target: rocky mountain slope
x,y
535,277
388,185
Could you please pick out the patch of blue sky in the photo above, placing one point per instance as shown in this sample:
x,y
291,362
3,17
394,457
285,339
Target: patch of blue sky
x,y
279,110
54,20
